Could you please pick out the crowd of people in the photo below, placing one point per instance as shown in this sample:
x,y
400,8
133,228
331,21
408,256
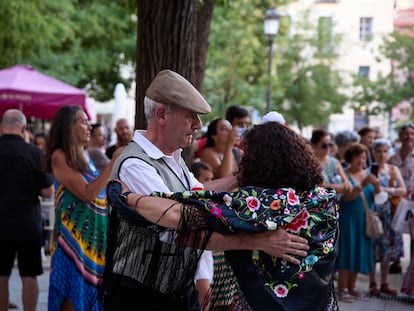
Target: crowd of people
x,y
262,218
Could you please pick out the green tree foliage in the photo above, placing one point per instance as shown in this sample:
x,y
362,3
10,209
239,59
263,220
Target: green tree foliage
x,y
310,87
236,63
399,46
389,90
78,41
305,86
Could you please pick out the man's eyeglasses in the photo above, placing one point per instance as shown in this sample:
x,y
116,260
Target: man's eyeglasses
x,y
326,146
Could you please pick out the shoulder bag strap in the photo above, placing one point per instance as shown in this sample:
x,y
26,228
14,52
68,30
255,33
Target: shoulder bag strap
x,y
364,201
362,195
391,182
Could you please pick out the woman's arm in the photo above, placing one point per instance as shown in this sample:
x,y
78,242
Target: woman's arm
x,y
401,189
75,182
228,164
277,243
228,183
221,167
356,190
346,184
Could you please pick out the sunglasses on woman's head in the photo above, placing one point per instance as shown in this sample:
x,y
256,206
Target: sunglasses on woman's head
x,y
326,146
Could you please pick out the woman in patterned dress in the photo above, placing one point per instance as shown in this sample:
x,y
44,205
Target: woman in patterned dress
x,y
389,247
79,237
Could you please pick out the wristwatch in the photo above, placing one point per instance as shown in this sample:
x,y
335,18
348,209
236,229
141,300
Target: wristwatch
x,y
124,196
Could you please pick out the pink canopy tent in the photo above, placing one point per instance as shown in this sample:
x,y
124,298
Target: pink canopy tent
x,y
35,94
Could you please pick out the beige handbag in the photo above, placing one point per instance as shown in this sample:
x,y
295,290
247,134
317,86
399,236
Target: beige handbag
x,y
373,224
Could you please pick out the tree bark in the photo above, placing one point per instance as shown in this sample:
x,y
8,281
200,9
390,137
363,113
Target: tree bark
x,y
166,40
205,15
172,34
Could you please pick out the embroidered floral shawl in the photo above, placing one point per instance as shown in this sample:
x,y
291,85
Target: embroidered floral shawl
x,y
266,281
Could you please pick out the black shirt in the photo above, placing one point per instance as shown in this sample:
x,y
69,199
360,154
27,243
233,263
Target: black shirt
x,y
21,180
110,151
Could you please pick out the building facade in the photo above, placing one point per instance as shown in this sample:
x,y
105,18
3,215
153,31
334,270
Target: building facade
x,y
361,24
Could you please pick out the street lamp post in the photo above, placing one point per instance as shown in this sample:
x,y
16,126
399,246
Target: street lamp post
x,y
271,27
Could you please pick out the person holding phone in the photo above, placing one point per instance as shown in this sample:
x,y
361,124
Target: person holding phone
x,y
220,151
389,247
374,169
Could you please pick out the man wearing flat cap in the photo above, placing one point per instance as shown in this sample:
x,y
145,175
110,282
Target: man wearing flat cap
x,y
146,268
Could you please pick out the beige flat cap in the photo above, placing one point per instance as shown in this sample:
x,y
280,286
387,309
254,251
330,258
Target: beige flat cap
x,y
170,88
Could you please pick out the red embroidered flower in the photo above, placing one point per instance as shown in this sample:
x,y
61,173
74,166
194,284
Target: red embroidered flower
x,y
293,199
301,275
280,290
253,203
299,222
216,212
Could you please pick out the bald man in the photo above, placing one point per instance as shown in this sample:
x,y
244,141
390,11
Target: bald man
x,y
123,136
22,181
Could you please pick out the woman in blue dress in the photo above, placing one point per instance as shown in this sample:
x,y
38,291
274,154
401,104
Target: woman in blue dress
x,y
356,254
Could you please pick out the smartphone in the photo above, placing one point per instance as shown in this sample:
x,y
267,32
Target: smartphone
x,y
241,131
374,169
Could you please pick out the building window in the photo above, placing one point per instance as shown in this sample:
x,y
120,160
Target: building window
x,y
365,28
363,71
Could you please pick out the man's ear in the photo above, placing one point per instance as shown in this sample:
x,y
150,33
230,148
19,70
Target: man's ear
x,y
160,113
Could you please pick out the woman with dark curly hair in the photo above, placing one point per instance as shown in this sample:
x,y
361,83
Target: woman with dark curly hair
x,y
277,157
279,188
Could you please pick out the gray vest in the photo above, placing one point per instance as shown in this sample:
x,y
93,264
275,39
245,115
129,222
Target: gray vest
x,y
173,182
139,253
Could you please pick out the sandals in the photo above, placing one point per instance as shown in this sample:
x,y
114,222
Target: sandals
x,y
386,290
344,296
373,289
12,305
357,295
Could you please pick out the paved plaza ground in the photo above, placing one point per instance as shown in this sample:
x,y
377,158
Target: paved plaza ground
x,y
373,304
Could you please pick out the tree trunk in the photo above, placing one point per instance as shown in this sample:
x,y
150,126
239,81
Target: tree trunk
x,y
205,15
166,40
172,34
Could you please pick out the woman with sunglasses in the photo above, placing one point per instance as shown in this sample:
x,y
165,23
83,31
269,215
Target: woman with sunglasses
x,y
332,170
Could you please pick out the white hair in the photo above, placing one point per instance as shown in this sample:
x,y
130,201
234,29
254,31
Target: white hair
x,y
149,108
381,142
13,118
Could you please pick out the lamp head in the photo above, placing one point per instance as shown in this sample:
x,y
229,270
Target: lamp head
x,y
271,22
